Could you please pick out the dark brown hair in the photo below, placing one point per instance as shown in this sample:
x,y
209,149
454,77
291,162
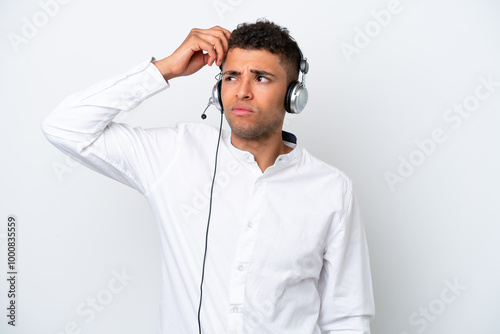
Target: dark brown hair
x,y
266,35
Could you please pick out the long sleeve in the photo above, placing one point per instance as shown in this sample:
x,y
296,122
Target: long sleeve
x,y
82,127
347,304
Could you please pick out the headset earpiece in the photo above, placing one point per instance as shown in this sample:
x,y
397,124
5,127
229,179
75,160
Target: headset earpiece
x,y
296,94
296,98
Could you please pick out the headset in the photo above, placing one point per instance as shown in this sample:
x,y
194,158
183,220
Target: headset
x,y
295,99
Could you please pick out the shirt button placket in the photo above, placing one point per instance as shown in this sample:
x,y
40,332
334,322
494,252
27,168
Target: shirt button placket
x,y
243,257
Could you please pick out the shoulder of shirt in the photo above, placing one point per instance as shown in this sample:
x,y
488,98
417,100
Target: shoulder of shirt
x,y
187,128
327,170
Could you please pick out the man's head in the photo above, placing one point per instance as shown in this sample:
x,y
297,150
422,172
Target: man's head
x,y
261,62
268,36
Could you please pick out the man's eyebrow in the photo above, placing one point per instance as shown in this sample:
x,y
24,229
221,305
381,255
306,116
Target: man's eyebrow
x,y
264,73
231,73
258,72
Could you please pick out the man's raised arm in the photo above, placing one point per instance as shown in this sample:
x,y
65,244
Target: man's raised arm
x,y
82,125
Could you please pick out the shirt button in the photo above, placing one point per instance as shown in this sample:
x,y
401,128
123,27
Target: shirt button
x,y
241,268
250,224
235,310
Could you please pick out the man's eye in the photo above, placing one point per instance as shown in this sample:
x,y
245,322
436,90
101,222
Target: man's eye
x,y
229,78
261,78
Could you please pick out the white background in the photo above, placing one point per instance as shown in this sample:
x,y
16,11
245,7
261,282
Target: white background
x,y
436,226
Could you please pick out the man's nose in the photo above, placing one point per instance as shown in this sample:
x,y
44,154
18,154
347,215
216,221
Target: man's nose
x,y
244,90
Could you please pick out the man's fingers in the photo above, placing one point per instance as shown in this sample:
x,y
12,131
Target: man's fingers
x,y
208,47
220,32
201,47
217,38
220,49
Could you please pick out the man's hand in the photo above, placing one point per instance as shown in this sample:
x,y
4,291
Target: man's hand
x,y
201,47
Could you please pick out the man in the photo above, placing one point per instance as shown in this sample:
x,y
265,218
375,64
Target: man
x,y
286,248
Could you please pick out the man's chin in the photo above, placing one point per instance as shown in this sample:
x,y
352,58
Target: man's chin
x,y
245,133
246,130
252,133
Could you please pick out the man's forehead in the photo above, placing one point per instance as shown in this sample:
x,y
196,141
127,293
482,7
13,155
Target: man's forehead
x,y
259,59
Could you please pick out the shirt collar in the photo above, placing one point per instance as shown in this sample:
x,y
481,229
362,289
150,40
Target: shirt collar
x,y
289,137
284,159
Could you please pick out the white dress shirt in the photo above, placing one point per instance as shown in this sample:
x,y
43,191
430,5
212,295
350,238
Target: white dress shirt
x,y
286,249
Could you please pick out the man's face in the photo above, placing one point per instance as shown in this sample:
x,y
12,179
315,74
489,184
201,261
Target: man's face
x,y
253,92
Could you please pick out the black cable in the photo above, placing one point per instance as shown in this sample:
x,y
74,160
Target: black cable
x,y
208,225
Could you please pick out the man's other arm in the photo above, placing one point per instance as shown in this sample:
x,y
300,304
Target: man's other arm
x,y
345,285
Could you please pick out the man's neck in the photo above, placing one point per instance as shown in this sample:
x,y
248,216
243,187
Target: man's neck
x,y
264,150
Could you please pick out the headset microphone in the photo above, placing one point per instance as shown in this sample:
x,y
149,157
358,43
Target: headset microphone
x,y
210,102
216,98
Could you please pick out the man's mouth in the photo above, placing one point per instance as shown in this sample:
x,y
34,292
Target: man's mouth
x,y
241,110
